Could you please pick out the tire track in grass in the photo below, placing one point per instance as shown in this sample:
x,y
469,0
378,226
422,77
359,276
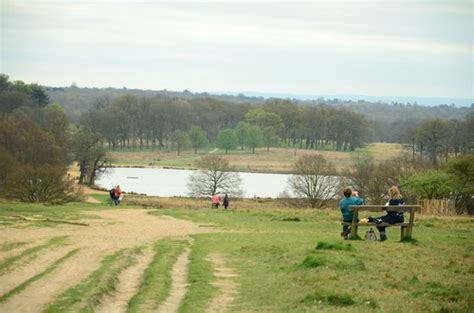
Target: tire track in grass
x,y
29,254
86,295
157,279
128,283
38,276
41,293
9,249
22,273
179,284
225,282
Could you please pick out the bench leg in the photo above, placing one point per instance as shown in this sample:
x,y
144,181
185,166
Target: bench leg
x,y
405,233
354,232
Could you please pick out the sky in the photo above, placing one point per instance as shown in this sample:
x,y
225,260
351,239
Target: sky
x,y
380,48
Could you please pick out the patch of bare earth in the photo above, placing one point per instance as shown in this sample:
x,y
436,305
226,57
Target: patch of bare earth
x,y
17,250
129,282
26,269
116,229
225,282
179,284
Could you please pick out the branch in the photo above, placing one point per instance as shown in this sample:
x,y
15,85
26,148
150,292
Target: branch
x,y
48,220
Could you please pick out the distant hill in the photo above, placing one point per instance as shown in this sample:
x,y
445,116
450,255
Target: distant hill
x,y
423,101
78,100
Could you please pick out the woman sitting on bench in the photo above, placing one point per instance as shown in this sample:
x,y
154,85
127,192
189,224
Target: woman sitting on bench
x,y
392,217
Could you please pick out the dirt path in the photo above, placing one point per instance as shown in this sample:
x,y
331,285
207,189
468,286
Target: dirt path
x,y
179,284
117,228
129,282
26,269
17,250
225,282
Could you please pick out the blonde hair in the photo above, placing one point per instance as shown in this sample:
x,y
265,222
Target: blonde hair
x,y
394,192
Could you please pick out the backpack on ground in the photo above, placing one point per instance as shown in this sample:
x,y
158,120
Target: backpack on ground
x,y
370,235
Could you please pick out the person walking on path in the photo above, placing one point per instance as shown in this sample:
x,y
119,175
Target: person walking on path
x,y
350,198
215,201
117,194
226,201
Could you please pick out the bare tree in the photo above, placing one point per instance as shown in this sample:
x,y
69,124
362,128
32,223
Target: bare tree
x,y
314,179
214,176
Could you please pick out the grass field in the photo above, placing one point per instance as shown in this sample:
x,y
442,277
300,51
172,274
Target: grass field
x,y
279,160
246,260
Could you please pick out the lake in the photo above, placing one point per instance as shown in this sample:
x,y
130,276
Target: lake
x,y
173,182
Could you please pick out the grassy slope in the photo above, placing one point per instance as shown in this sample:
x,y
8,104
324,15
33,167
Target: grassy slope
x,y
70,211
276,160
271,257
280,270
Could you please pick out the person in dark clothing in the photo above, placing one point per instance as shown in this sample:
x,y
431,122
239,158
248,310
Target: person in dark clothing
x,y
112,196
226,201
391,217
350,198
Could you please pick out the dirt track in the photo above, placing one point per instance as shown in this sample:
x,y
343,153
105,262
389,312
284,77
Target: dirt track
x,y
117,228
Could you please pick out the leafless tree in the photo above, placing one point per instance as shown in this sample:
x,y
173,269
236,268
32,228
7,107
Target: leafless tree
x,y
215,175
314,180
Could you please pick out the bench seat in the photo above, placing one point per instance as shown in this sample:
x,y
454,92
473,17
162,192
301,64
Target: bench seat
x,y
406,228
374,224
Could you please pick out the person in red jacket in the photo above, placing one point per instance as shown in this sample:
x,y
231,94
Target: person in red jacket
x,y
117,193
215,200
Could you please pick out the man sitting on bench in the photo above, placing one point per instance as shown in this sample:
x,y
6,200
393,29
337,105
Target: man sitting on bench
x,y
350,198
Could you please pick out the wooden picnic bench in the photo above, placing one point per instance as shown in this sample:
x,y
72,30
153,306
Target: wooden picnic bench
x,y
406,228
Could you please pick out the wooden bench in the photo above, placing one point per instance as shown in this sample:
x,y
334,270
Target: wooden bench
x,y
406,228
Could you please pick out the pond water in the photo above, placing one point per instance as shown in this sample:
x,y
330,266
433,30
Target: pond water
x,y
173,182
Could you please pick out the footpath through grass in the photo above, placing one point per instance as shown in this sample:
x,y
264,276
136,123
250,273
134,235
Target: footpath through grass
x,y
295,261
156,282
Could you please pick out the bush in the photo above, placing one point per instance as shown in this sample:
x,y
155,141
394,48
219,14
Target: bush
x,y
44,183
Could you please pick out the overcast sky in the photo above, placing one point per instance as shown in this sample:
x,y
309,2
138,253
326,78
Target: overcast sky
x,y
403,48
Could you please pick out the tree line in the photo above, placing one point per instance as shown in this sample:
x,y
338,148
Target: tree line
x,y
157,122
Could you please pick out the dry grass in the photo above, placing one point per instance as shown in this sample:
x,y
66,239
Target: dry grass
x,y
235,204
277,160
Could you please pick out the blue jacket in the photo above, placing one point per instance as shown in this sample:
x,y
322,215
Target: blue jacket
x,y
344,205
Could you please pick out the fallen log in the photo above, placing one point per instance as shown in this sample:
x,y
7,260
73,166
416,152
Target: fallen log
x,y
29,219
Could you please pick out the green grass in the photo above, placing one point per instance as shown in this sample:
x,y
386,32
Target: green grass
x,y
200,290
322,245
281,269
29,253
36,277
296,261
70,211
156,282
86,295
